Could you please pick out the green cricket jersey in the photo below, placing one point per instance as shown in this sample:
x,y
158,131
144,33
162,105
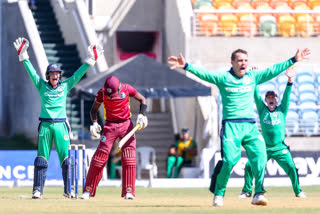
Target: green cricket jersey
x,y
53,101
273,122
237,93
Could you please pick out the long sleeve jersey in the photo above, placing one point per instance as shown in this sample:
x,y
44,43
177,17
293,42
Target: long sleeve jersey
x,y
53,100
237,93
273,122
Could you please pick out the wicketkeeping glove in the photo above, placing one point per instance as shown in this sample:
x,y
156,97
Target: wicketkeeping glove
x,y
94,52
21,44
143,121
94,130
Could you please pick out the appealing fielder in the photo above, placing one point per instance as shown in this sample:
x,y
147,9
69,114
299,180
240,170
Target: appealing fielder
x,y
238,124
273,121
53,120
115,97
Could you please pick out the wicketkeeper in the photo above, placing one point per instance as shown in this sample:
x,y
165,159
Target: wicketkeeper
x,y
115,97
273,124
53,119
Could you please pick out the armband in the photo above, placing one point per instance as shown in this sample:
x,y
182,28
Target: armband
x,y
143,108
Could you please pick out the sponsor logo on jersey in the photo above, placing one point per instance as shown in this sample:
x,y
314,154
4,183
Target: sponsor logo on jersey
x,y
60,88
122,95
285,151
103,139
246,80
228,140
41,135
54,95
240,89
271,122
66,137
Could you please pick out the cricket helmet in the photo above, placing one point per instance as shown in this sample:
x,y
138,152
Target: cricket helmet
x,y
271,93
112,86
53,67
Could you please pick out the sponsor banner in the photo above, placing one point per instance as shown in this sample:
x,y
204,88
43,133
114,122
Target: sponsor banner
x,y
307,164
19,165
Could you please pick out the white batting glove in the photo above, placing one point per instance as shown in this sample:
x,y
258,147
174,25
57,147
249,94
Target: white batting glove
x,y
94,130
94,52
21,44
143,121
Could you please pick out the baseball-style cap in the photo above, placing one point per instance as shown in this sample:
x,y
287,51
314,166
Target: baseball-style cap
x,y
184,130
111,86
53,67
271,93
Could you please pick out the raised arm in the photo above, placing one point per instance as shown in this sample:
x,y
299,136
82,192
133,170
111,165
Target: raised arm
x,y
284,106
273,71
258,100
94,52
21,45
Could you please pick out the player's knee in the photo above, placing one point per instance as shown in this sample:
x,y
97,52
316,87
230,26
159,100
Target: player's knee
x,y
99,158
128,156
41,162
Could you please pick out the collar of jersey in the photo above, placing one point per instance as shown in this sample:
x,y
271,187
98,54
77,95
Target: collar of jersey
x,y
233,74
59,83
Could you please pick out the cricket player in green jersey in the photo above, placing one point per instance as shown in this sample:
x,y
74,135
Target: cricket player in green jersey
x,y
238,122
273,121
53,119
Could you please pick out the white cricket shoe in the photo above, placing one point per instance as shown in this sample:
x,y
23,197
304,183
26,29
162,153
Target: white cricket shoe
x,y
244,194
71,195
218,201
301,195
129,196
36,194
85,196
259,199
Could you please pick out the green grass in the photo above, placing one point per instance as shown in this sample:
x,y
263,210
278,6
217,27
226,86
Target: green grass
x,y
152,200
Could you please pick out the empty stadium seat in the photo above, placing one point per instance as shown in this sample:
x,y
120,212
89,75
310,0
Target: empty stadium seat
x,y
307,106
247,25
309,123
293,3
267,86
267,25
276,4
286,25
282,79
202,4
313,3
305,78
228,24
307,97
208,23
304,25
260,4
292,124
306,87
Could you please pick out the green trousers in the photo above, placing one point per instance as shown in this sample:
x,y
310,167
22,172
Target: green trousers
x,y
235,134
178,163
56,132
284,159
112,168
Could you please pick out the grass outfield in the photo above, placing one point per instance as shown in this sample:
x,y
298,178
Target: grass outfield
x,y
154,200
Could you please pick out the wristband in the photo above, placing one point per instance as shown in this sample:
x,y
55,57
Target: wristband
x,y
143,108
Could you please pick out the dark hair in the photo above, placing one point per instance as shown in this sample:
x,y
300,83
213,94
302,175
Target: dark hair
x,y
233,55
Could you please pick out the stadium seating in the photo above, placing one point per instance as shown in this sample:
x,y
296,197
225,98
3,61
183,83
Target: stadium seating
x,y
202,4
305,78
309,122
307,97
247,25
286,25
292,124
306,87
228,24
267,25
304,25
208,23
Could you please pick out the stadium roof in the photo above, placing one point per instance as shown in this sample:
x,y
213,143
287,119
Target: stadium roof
x,y
151,78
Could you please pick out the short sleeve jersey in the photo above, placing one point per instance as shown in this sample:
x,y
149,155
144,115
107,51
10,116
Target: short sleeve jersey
x,y
117,109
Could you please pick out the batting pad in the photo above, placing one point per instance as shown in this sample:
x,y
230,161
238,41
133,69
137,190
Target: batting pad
x,y
129,163
40,173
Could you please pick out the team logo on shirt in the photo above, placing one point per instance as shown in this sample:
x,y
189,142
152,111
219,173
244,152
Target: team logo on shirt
x,y
285,151
246,80
66,137
103,139
60,88
122,95
109,90
275,114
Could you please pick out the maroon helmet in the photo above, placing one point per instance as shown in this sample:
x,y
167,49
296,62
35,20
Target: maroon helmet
x,y
112,86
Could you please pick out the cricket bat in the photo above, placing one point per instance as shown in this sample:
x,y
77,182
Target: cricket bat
x,y
126,138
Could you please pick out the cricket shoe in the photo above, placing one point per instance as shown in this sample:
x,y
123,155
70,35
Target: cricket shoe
x,y
301,195
129,196
259,199
218,201
36,194
85,196
69,195
244,194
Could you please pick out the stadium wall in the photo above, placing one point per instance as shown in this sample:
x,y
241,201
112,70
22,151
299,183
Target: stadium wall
x,y
21,103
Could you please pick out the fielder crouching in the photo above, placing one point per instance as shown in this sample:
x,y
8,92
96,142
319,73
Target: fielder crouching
x,y
53,123
115,97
